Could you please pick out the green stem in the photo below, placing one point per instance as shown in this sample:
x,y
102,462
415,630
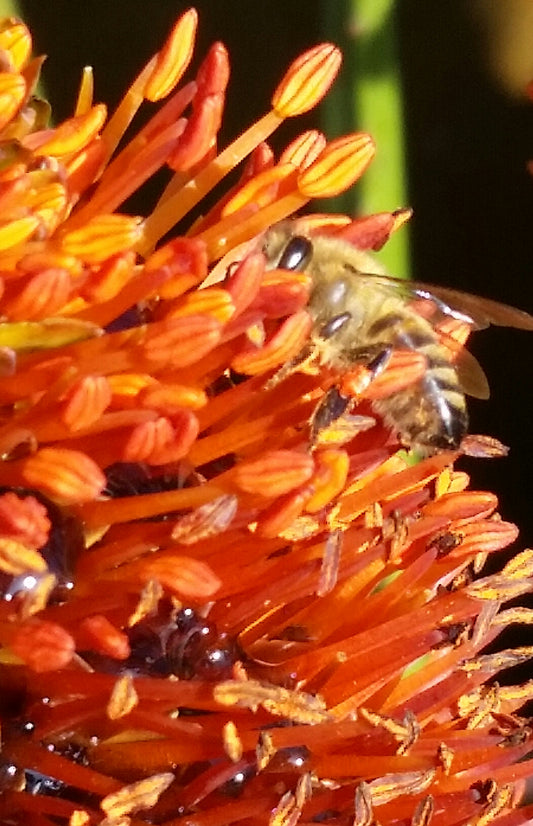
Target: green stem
x,y
368,96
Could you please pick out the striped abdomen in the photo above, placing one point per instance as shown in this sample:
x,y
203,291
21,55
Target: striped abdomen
x,y
430,414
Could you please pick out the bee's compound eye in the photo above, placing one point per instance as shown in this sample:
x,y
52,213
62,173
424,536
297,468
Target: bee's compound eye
x,y
296,254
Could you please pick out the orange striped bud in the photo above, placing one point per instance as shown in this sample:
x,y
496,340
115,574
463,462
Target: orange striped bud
x,y
180,342
484,537
103,236
338,167
43,645
65,475
307,80
286,343
15,39
181,575
172,60
274,473
86,402
72,135
12,93
98,634
329,478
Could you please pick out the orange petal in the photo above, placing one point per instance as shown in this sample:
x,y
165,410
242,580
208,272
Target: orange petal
x,y
244,281
16,558
307,80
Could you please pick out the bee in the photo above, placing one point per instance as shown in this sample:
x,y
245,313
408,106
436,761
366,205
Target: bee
x,y
361,315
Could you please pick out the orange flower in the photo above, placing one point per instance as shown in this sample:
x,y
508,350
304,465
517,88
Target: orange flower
x,y
210,612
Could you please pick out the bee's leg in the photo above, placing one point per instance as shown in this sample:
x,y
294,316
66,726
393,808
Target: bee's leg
x,y
379,362
290,367
330,408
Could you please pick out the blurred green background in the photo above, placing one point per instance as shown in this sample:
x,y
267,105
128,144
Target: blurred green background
x,y
439,83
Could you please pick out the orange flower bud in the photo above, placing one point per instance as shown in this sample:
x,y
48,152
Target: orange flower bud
x,y
98,634
43,645
72,135
181,575
86,402
282,513
259,191
43,295
484,537
12,93
244,281
465,505
307,80
199,134
305,149
170,398
161,441
372,231
180,342
16,558
329,478
17,231
282,293
340,164
66,475
172,60
23,519
274,473
213,74
286,343
213,301
15,39
102,236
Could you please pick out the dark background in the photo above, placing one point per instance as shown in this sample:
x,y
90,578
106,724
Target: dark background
x,y
468,141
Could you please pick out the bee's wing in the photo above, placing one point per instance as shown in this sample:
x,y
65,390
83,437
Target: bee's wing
x,y
480,311
471,376
476,311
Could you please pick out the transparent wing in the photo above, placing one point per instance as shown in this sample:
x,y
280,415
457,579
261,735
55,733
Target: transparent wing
x,y
473,309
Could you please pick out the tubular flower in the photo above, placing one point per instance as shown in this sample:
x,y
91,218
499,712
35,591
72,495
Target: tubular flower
x,y
208,614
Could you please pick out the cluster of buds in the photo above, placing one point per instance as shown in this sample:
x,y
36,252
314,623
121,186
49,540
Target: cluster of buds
x,y
207,615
